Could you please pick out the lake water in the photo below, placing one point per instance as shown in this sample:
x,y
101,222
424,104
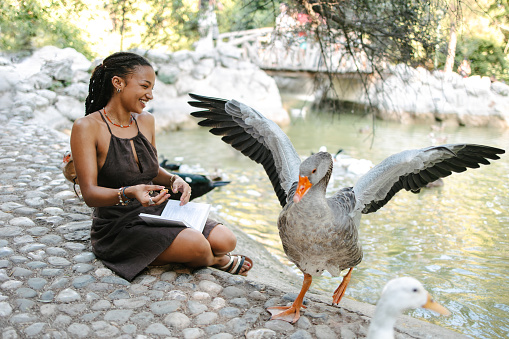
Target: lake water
x,y
454,239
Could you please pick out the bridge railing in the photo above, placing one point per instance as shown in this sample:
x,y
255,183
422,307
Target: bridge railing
x,y
295,51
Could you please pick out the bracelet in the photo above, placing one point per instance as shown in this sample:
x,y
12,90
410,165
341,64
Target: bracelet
x,y
119,193
172,180
125,196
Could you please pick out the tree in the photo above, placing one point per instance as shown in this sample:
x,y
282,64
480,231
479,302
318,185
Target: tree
x,y
29,24
121,12
453,39
170,23
498,10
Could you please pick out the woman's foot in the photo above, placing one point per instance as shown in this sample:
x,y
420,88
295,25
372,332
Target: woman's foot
x,y
235,264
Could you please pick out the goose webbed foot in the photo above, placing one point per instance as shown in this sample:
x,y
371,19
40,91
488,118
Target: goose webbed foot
x,y
287,313
292,313
340,291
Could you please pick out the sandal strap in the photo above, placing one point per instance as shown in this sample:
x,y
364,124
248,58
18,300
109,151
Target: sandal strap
x,y
224,268
238,266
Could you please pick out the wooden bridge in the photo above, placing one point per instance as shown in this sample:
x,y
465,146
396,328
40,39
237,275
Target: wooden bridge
x,y
295,52
296,61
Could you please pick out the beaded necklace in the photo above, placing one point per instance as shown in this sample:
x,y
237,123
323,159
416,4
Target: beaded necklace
x,y
114,124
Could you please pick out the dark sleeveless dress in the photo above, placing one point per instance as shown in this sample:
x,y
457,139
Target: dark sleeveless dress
x,y
120,238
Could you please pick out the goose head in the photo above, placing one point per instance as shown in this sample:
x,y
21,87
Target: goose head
x,y
398,295
312,171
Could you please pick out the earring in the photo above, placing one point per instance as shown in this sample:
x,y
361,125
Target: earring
x,y
118,90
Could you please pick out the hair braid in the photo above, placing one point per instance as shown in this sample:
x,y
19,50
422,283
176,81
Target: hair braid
x,y
100,88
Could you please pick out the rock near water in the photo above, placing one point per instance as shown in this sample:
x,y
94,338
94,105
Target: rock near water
x,y
49,87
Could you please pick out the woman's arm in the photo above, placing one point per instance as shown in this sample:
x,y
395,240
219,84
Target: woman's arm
x,y
176,183
84,139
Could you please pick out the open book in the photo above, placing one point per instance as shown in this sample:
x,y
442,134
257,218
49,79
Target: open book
x,y
192,215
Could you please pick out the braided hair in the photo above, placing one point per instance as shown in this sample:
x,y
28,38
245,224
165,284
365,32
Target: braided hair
x,y
100,88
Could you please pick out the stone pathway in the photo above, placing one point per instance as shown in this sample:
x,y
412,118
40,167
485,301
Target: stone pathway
x,y
52,286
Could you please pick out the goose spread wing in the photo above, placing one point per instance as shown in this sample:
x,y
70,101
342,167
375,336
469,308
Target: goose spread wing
x,y
414,169
257,137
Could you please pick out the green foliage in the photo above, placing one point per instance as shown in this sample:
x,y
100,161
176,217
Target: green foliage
x,y
486,57
30,24
170,23
247,14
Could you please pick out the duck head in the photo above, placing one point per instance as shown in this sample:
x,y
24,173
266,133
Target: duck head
x,y
408,293
312,171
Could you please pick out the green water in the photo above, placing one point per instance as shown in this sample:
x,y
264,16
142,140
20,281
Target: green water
x,y
454,239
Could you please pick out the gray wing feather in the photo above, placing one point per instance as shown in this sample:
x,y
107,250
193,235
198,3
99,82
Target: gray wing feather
x,y
255,136
413,169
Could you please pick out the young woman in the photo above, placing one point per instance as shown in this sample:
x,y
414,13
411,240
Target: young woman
x,y
115,158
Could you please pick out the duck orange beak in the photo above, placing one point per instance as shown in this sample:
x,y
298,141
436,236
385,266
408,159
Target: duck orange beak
x,y
303,186
66,158
434,306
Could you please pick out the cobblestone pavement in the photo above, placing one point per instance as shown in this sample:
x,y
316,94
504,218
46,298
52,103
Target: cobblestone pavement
x,y
52,286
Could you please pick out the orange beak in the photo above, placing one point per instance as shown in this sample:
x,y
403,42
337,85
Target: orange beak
x,y
303,186
66,158
434,306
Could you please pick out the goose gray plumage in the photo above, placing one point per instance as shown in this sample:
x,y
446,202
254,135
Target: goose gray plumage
x,y
320,233
398,295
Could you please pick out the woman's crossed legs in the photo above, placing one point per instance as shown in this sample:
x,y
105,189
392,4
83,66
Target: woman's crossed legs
x,y
191,248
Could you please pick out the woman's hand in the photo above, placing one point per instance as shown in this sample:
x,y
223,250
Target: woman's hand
x,y
142,194
179,185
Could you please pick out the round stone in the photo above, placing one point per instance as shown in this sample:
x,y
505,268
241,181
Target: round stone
x,y
84,257
10,231
51,239
177,320
5,309
25,292
210,287
34,329
58,261
37,283
22,222
47,296
68,295
206,318
5,251
158,329
79,330
166,306
262,333
56,251
82,268
82,281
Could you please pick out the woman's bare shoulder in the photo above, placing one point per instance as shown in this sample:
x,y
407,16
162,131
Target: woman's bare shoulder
x,y
87,123
145,116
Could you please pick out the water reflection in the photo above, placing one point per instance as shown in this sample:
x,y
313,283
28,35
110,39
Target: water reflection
x,y
454,238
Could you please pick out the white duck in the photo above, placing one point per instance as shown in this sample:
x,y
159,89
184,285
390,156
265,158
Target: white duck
x,y
398,295
320,233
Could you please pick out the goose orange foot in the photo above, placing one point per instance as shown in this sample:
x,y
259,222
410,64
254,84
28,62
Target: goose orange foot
x,y
340,291
292,313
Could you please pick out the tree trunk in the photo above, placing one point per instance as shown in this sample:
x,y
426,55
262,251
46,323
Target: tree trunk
x,y
451,49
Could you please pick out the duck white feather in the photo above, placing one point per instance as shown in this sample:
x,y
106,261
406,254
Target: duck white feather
x,y
399,295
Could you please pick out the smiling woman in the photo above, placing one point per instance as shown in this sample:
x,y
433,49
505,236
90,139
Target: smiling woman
x,y
114,154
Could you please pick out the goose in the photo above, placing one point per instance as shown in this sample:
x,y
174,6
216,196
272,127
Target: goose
x,y
398,295
319,233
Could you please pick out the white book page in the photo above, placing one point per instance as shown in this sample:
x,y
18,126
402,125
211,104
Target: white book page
x,y
194,214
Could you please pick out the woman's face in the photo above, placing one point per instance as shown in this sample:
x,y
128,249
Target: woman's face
x,y
137,89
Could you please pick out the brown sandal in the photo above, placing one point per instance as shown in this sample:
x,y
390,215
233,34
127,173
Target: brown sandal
x,y
233,267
